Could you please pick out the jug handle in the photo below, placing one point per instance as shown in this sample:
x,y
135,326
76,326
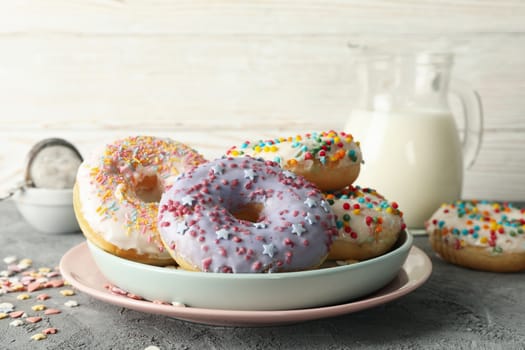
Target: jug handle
x,y
473,121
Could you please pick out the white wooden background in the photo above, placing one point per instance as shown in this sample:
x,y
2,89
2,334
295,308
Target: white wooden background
x,y
213,73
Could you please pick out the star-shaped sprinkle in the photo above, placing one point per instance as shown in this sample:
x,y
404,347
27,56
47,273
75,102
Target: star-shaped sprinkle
x,y
310,202
259,225
298,229
217,169
310,218
222,233
6,307
249,174
181,227
288,174
269,249
325,206
16,323
187,200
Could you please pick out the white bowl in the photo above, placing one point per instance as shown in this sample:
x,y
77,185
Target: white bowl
x,y
250,291
47,210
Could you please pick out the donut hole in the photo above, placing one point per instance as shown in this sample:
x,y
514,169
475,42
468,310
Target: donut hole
x,y
249,212
149,189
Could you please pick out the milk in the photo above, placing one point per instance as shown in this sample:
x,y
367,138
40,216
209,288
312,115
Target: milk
x,y
413,158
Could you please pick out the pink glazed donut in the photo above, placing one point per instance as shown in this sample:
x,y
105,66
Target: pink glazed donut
x,y
245,215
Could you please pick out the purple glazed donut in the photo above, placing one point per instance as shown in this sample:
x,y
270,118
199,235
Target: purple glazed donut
x,y
245,215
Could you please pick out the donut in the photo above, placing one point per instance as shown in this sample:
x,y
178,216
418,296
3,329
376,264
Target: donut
x,y
117,191
368,225
330,160
245,215
480,235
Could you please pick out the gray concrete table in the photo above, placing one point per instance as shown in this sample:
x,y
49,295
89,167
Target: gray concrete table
x,y
455,309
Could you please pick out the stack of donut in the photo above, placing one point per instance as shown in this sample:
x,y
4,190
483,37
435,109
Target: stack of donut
x,y
286,204
368,225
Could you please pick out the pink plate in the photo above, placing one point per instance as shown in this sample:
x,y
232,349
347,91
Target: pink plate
x,y
78,268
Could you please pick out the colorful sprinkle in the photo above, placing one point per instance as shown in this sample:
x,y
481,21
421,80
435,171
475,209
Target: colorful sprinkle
x,y
6,307
67,292
48,331
33,319
11,259
23,296
38,336
52,311
38,307
330,149
71,303
16,314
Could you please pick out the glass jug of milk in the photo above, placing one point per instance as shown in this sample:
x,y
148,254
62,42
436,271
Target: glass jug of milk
x,y
411,145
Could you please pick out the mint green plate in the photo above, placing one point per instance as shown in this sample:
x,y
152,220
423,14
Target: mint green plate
x,y
274,291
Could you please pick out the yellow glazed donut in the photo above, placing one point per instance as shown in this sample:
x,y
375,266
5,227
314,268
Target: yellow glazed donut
x,y
367,223
330,160
479,235
117,192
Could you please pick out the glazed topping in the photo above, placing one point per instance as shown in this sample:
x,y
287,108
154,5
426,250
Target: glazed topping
x,y
120,187
498,227
326,147
290,226
362,214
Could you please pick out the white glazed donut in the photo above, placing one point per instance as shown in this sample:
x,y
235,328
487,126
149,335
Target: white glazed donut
x,y
117,192
368,224
330,160
479,235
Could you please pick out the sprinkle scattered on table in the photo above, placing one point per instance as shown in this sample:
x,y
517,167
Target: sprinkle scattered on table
x,y
38,336
67,292
23,296
21,280
10,259
33,319
42,297
71,303
16,314
16,323
38,307
6,307
50,331
52,312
